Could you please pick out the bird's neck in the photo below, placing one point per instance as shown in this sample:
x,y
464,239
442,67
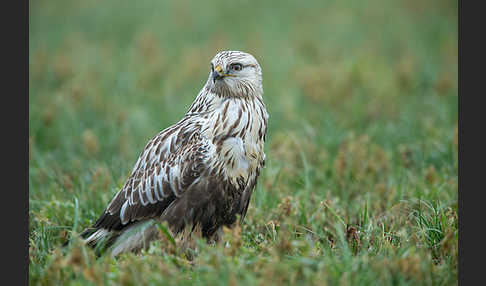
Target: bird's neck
x,y
207,102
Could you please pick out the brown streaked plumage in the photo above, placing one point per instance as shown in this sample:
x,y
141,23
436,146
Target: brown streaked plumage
x,y
198,173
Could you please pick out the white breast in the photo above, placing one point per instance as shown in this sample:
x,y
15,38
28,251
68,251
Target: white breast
x,y
241,152
237,162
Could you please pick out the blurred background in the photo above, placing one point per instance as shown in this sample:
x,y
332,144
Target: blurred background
x,y
362,97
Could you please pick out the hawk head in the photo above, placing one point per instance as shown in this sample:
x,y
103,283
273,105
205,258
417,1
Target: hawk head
x,y
235,74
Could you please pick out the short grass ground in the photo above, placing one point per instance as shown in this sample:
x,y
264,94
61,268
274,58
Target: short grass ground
x,y
360,185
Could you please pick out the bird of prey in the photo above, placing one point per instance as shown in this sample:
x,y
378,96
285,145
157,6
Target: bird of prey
x,y
198,173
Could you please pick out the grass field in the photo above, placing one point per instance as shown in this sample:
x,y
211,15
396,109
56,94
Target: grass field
x,y
360,184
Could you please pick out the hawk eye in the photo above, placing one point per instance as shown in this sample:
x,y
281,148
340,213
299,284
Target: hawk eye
x,y
236,67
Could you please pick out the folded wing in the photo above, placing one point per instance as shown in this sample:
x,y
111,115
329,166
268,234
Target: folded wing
x,y
170,163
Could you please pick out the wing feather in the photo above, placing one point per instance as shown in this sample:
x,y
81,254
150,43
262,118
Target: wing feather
x,y
164,171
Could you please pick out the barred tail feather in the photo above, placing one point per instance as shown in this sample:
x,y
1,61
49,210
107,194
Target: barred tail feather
x,y
93,237
99,238
131,239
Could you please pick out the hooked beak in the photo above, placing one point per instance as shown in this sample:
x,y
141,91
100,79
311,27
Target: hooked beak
x,y
218,73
